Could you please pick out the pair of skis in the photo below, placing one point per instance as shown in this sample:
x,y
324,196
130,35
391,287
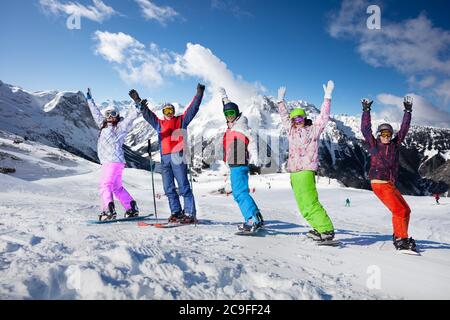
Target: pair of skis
x,y
142,222
165,225
140,218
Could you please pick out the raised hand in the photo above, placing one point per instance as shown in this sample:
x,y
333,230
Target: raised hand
x,y
223,93
367,104
408,103
224,96
89,94
281,94
200,89
135,96
328,89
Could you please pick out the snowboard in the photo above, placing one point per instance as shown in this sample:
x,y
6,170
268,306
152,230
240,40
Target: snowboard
x,y
121,220
409,252
329,243
258,232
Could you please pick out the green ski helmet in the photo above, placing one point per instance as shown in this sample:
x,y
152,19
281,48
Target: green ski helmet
x,y
297,112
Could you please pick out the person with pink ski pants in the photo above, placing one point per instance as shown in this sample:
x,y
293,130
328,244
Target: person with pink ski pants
x,y
113,131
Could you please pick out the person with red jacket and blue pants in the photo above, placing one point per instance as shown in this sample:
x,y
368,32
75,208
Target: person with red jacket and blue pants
x,y
384,165
240,150
171,131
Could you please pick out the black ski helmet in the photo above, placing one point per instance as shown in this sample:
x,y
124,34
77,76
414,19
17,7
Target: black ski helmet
x,y
231,106
385,126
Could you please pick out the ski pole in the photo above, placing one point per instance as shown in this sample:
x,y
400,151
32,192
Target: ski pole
x,y
190,178
153,180
192,189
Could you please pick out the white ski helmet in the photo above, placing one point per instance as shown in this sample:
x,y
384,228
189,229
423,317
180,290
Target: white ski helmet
x,y
110,109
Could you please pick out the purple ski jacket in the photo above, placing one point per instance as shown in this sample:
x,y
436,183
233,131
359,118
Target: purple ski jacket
x,y
384,160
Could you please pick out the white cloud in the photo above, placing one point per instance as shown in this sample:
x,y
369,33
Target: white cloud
x,y
422,83
136,63
114,47
150,66
410,46
350,20
153,12
200,62
98,12
443,90
424,112
230,6
414,47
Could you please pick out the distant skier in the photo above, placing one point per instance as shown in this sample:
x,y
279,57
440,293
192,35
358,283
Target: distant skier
x,y
172,146
437,197
240,150
303,136
384,165
113,131
347,202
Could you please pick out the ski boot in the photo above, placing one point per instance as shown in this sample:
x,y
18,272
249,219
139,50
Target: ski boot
x,y
110,215
314,235
405,244
175,217
320,237
260,218
187,219
133,212
250,226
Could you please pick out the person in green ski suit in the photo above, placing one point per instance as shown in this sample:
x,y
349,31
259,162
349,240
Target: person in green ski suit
x,y
303,137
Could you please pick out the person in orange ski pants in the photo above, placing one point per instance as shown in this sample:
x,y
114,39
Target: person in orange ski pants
x,y
384,165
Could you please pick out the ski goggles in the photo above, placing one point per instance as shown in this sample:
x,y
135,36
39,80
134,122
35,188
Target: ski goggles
x,y
230,113
298,119
113,114
168,111
385,134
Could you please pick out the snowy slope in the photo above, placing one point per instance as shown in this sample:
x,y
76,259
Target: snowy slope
x,y
47,251
56,119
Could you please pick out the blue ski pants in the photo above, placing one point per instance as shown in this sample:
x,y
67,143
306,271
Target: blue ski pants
x,y
241,193
175,169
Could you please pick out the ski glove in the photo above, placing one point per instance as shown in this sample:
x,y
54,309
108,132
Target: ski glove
x,y
408,103
223,95
135,96
328,89
281,94
367,104
141,106
88,94
200,89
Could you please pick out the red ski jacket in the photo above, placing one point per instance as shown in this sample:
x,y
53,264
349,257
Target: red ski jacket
x,y
171,139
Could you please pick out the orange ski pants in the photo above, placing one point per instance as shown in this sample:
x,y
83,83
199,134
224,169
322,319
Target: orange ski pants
x,y
394,201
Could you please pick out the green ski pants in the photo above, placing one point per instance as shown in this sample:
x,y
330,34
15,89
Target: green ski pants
x,y
304,186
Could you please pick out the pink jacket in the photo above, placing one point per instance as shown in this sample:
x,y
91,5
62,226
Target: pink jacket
x,y
304,141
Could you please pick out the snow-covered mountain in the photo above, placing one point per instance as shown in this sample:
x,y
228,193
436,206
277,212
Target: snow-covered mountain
x,y
424,159
58,119
63,120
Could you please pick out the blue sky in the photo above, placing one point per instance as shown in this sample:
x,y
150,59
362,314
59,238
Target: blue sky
x,y
270,43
